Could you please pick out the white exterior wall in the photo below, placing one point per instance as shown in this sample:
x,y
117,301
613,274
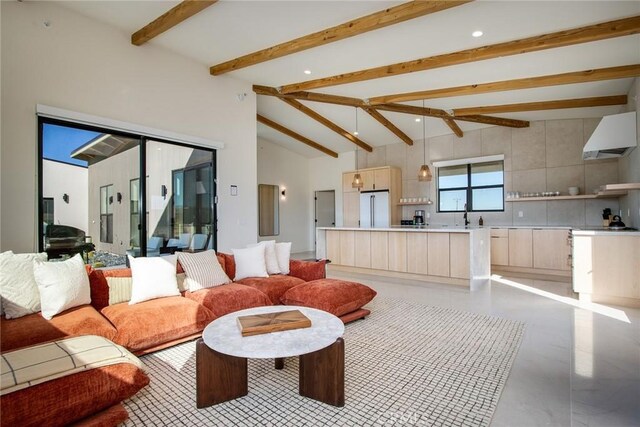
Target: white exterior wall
x,y
82,65
60,179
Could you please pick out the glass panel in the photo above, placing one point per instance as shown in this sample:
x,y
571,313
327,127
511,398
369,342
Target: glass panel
x,y
268,210
180,200
452,200
487,174
452,176
103,200
47,211
134,213
110,199
488,199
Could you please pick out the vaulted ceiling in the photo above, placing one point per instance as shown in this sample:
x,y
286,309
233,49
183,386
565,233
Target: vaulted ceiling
x,y
230,29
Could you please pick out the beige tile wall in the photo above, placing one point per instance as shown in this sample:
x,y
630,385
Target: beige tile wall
x,y
547,156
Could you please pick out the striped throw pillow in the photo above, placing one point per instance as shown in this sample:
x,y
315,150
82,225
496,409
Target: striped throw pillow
x,y
202,269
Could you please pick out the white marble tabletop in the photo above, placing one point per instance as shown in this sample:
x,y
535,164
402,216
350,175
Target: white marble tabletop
x,y
223,335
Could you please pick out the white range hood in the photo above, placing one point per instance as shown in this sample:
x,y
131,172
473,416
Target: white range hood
x,y
615,136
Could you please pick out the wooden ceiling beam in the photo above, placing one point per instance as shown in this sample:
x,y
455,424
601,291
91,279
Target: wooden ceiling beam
x,y
599,101
328,123
374,21
388,124
602,31
454,127
169,19
310,96
585,76
295,135
441,114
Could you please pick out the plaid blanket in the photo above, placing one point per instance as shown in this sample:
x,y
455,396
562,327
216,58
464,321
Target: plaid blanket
x,y
45,362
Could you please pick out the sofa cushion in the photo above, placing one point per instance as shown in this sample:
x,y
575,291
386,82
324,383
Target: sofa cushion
x,y
229,265
34,329
337,297
68,399
18,287
202,270
228,298
150,323
62,285
153,277
308,270
274,286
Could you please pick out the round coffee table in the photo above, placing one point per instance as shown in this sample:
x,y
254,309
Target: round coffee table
x,y
222,353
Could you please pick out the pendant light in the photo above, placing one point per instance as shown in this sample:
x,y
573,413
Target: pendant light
x,y
357,179
424,174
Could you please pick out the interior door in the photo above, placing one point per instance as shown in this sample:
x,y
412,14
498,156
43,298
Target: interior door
x,y
325,208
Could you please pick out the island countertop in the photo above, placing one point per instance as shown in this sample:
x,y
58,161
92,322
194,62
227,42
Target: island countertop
x,y
410,228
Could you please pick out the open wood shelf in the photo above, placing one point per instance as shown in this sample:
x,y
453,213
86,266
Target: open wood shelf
x,y
620,187
415,203
600,195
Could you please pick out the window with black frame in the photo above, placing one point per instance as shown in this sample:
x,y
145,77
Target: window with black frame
x,y
479,186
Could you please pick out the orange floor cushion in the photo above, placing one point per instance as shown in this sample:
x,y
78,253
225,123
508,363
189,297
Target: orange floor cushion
x,y
228,298
68,399
273,286
35,329
150,323
337,297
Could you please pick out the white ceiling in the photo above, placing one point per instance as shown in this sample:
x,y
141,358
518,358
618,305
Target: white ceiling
x,y
232,28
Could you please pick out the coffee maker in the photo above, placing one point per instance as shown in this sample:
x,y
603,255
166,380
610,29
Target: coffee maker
x,y
418,217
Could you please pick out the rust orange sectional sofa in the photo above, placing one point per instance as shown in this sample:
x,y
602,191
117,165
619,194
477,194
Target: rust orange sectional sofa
x,y
152,325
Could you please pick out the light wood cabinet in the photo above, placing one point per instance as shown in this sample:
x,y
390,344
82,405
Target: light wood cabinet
x,y
438,254
500,247
351,209
520,247
551,249
333,246
417,253
347,180
379,250
460,255
347,248
398,251
363,249
382,178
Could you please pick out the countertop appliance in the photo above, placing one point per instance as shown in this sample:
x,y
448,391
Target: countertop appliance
x,y
418,217
374,209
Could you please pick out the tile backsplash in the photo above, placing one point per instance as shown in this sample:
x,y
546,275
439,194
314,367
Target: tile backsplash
x,y
547,156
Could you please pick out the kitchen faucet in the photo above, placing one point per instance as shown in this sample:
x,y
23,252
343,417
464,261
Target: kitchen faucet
x,y
466,221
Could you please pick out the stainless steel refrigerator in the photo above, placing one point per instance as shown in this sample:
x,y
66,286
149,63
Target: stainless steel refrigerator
x,y
374,209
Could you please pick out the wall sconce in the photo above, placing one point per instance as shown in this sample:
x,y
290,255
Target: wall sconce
x,y
163,191
65,197
284,193
119,197
110,200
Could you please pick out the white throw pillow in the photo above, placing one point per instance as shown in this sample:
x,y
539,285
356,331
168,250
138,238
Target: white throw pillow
x,y
153,277
270,258
283,253
250,262
203,270
62,285
18,287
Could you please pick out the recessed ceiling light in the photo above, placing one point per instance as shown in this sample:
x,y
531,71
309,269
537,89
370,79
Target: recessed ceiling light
x,y
418,119
307,71
477,33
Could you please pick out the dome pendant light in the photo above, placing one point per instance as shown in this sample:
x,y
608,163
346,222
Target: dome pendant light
x,y
424,174
357,179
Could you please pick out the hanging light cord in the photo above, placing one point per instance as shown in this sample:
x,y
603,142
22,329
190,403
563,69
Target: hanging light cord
x,y
424,135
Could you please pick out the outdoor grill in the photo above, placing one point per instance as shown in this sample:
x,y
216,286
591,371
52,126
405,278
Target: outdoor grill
x,y
65,240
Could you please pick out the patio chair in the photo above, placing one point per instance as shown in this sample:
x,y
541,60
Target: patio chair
x,y
153,246
180,243
198,242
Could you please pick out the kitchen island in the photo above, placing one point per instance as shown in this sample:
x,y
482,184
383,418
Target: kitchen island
x,y
451,255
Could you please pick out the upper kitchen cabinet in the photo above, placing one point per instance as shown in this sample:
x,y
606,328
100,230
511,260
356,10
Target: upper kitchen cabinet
x,y
385,178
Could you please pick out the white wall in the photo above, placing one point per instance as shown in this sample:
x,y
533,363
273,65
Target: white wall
x,y
60,179
83,65
279,166
630,166
325,173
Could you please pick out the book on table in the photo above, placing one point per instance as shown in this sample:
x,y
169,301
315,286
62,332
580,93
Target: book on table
x,y
272,322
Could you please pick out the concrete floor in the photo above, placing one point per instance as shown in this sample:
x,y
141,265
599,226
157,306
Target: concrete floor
x,y
578,365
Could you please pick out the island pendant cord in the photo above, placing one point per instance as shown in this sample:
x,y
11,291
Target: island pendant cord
x,y
357,179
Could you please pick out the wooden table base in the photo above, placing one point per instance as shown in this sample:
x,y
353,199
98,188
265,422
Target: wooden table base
x,y
322,374
220,378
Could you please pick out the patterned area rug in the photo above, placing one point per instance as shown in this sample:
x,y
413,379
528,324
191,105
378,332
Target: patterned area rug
x,y
406,364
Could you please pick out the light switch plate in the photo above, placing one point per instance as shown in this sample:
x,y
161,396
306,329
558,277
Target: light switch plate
x,y
520,214
234,190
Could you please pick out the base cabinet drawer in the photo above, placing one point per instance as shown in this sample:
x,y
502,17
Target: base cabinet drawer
x,y
500,250
438,254
520,247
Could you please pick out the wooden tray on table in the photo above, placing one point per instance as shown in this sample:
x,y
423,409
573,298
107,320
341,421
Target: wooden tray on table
x,y
272,322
